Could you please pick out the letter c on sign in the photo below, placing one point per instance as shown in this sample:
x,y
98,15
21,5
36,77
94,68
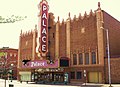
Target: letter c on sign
x,y
43,39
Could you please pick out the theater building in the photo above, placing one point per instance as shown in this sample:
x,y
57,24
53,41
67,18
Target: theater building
x,y
74,50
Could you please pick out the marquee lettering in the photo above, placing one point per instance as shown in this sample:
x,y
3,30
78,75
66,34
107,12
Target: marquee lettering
x,y
41,64
36,64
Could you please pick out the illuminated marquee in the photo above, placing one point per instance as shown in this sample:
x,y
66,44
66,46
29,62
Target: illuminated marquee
x,y
41,64
44,27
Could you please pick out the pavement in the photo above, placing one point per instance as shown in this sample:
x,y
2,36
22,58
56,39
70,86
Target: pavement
x,y
16,83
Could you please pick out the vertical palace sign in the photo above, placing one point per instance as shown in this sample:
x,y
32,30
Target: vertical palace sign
x,y
43,28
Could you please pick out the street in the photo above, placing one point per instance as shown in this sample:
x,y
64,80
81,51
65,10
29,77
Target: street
x,y
30,84
24,84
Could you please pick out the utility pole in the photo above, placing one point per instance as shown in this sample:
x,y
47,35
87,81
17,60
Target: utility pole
x,y
108,55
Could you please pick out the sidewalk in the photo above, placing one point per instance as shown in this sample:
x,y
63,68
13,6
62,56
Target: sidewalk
x,y
31,84
113,85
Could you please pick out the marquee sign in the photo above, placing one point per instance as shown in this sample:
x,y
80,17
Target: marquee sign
x,y
41,64
44,27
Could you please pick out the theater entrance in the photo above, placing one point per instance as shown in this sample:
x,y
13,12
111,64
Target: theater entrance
x,y
50,76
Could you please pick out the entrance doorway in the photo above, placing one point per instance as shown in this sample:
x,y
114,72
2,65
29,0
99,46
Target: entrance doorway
x,y
95,77
48,77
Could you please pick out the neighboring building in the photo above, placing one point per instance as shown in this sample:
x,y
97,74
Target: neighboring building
x,y
8,62
75,47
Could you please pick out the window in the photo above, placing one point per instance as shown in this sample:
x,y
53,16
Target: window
x,y
79,75
10,54
86,58
80,58
83,30
72,75
15,54
53,35
93,58
74,59
26,43
64,62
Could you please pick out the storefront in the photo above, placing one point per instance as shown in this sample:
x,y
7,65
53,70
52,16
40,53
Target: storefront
x,y
49,75
43,71
25,76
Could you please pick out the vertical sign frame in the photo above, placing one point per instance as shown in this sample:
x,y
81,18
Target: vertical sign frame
x,y
43,48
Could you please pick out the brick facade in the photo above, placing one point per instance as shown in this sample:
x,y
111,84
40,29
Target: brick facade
x,y
113,26
115,69
27,46
81,35
11,58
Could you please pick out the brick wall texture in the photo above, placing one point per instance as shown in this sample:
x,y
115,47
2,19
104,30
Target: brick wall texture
x,y
83,38
115,70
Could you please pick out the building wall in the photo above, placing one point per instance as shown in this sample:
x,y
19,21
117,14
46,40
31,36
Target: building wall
x,y
51,36
83,36
83,33
75,36
100,37
62,40
89,69
115,70
27,51
27,46
113,26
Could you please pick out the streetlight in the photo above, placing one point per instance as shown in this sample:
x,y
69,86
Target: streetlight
x,y
108,54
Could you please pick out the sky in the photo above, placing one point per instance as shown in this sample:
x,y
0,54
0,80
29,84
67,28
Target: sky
x,y
9,33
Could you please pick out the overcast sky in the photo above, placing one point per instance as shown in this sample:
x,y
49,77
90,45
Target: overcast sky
x,y
9,33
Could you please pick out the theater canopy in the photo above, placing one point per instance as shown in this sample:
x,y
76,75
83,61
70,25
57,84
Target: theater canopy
x,y
41,64
62,62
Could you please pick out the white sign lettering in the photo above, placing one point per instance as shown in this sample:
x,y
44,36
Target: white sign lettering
x,y
36,64
44,39
43,23
44,31
44,7
43,47
44,16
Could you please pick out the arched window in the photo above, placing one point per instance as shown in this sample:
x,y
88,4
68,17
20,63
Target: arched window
x,y
93,58
74,59
80,58
86,58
